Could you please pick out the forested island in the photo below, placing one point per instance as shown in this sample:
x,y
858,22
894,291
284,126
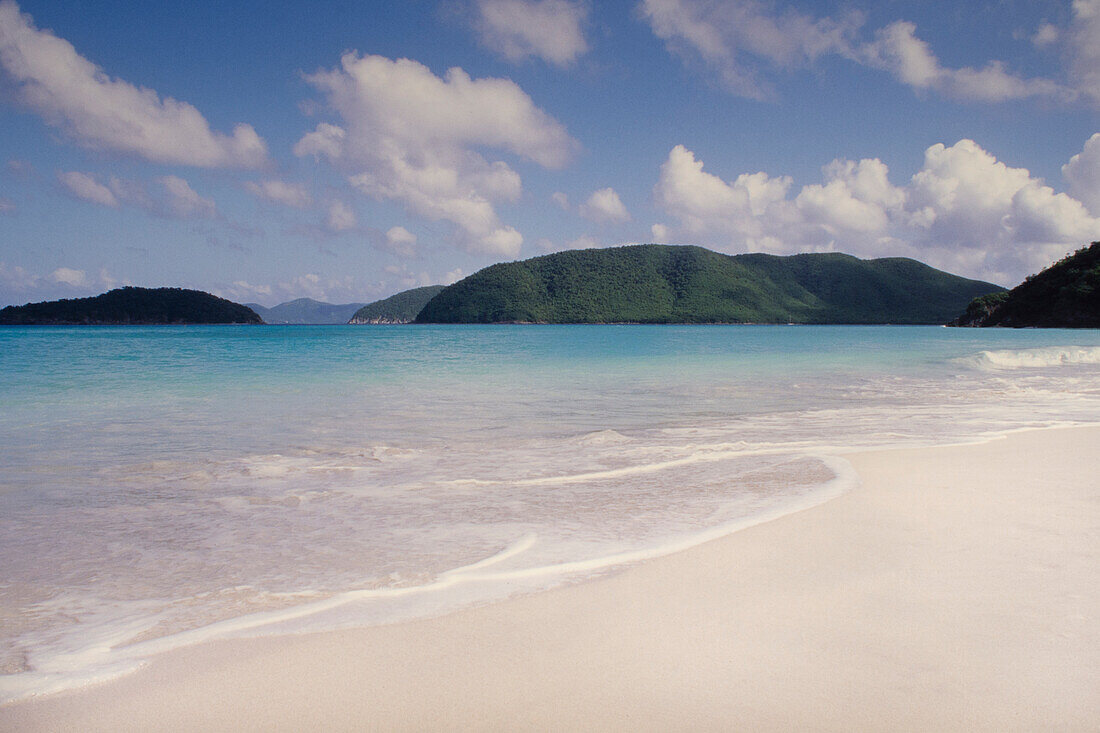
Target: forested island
x,y
396,309
653,283
131,306
1064,295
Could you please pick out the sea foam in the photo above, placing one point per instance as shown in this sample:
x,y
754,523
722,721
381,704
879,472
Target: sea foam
x,y
348,477
1037,358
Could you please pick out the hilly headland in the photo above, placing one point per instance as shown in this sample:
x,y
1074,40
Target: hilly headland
x,y
396,309
132,306
652,283
1064,295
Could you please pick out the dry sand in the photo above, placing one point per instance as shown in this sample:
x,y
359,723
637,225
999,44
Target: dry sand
x,y
958,589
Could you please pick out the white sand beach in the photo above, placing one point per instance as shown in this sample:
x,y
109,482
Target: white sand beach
x,y
956,589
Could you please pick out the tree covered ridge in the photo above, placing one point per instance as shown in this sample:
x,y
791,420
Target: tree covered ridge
x,y
1064,295
400,308
132,305
653,283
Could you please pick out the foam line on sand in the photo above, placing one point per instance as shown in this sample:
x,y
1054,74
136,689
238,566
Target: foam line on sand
x,y
956,589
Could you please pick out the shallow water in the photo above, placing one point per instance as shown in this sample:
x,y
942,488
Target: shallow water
x,y
163,485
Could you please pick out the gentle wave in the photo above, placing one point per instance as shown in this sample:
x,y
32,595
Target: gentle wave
x,y
112,652
221,507
1051,356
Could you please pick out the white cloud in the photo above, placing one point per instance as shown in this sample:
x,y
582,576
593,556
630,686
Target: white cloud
x,y
561,199
707,206
84,186
401,241
69,276
1084,47
18,285
520,29
1082,174
981,213
341,218
585,241
963,211
310,285
605,206
74,95
174,198
897,49
743,39
183,202
732,37
856,197
293,195
326,141
453,276
410,136
1046,35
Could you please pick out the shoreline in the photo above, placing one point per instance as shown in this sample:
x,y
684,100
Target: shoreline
x,y
880,608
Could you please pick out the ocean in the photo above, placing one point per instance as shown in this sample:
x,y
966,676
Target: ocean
x,y
161,486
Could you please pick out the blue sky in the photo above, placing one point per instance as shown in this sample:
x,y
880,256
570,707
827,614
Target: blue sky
x,y
349,150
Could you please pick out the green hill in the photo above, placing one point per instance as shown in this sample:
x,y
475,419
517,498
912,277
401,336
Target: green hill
x,y
400,308
131,306
653,283
1065,295
304,311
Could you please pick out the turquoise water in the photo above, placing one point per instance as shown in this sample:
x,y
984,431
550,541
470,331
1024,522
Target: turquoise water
x,y
163,485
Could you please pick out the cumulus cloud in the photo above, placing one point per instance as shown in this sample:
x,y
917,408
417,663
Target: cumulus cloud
x,y
964,211
400,240
584,241
1082,175
976,210
183,202
709,207
741,40
18,285
1046,35
102,113
605,206
519,29
340,218
293,195
561,199
310,285
1084,47
856,197
413,137
69,276
85,187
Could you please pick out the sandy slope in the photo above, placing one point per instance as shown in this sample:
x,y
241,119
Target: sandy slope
x,y
958,589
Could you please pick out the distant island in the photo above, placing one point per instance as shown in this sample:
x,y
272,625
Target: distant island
x,y
1064,295
306,311
653,283
131,306
400,308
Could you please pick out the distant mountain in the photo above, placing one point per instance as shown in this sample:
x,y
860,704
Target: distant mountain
x,y
306,311
1064,295
653,283
132,306
400,308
